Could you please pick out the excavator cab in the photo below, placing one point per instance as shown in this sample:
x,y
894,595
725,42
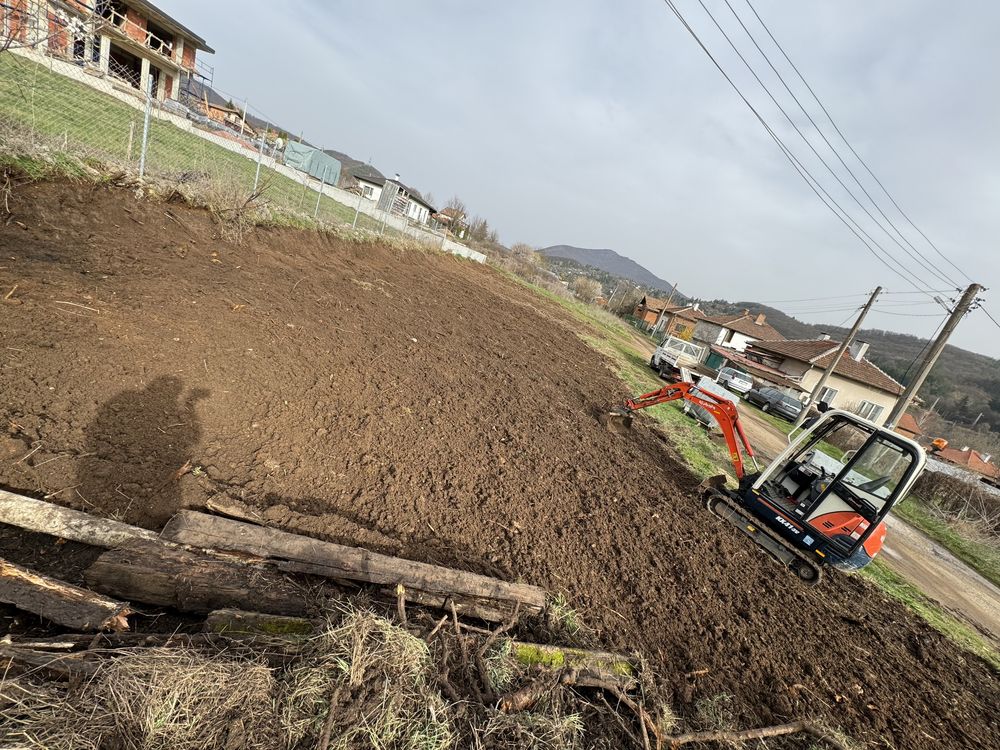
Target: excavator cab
x,y
824,499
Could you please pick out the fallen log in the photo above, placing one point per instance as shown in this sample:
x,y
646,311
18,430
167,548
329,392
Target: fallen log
x,y
60,602
55,520
193,581
307,555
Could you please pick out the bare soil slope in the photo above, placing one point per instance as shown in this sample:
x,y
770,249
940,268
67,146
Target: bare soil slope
x,y
425,406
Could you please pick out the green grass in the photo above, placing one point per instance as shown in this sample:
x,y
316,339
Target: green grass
x,y
70,116
980,555
899,588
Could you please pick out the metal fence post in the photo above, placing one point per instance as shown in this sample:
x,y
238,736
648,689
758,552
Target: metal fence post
x,y
319,195
357,210
260,156
145,136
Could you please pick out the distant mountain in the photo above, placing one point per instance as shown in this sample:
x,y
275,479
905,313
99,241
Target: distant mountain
x,y
610,262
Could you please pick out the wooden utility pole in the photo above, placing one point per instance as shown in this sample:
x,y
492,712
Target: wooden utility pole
x,y
837,357
665,306
968,297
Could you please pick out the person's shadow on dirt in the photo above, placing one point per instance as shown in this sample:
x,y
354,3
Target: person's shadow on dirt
x,y
137,448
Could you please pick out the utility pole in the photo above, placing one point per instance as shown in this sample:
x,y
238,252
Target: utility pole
x,y
837,357
665,306
968,297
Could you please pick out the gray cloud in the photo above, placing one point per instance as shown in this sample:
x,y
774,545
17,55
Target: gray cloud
x,y
603,125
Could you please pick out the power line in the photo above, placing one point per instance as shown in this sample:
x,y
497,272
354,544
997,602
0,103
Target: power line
x,y
812,299
813,184
848,143
929,265
908,315
816,153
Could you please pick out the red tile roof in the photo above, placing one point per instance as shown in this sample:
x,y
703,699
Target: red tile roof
x,y
819,352
970,459
908,424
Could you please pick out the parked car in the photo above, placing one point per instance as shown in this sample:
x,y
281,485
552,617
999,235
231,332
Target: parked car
x,y
708,384
773,400
734,380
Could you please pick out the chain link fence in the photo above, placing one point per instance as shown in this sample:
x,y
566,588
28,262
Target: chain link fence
x,y
54,108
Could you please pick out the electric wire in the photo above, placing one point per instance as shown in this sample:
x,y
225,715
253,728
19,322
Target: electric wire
x,y
928,265
848,143
923,350
815,152
814,185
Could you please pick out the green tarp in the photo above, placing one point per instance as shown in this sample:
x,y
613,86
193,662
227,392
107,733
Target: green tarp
x,y
312,161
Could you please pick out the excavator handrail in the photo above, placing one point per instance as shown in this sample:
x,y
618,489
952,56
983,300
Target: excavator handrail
x,y
722,409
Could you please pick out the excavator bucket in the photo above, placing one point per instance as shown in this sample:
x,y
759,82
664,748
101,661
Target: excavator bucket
x,y
617,419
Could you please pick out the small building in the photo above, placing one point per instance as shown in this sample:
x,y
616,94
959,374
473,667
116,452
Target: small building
x,y
908,427
670,320
855,385
130,41
393,196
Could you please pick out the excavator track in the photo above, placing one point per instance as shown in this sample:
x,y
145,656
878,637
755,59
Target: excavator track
x,y
725,507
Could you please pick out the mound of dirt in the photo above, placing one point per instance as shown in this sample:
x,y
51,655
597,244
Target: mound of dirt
x,y
428,407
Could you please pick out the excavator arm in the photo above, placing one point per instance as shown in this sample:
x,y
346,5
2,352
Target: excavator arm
x,y
722,409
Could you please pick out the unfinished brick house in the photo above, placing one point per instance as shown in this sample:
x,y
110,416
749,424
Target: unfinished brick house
x,y
132,42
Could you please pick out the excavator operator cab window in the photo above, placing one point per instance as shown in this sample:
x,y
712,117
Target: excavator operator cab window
x,y
843,479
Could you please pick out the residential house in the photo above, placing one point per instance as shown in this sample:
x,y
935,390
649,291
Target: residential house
x,y
908,427
855,385
671,320
973,460
649,310
393,196
735,331
131,41
454,220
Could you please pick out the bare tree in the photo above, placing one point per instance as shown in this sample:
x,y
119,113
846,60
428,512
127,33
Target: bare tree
x,y
586,290
525,253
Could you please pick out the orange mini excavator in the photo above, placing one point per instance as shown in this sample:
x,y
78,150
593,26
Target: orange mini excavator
x,y
822,501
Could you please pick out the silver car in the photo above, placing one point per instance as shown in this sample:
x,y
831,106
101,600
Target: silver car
x,y
734,380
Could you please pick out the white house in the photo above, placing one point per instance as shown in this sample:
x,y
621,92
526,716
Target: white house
x,y
393,196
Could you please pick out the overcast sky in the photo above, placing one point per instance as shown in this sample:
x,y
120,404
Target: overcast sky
x,y
602,124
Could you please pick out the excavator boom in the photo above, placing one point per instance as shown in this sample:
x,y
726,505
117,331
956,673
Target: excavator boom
x,y
722,409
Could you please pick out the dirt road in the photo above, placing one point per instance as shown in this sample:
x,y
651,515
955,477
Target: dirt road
x,y
942,576
429,407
